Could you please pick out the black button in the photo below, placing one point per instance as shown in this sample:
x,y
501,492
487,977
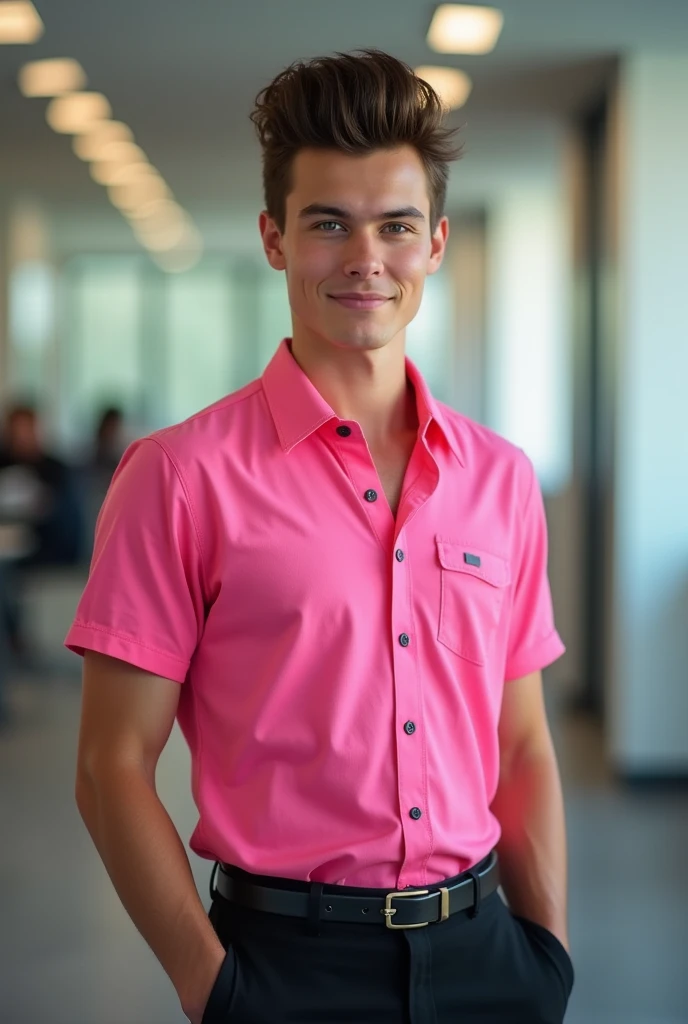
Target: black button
x,y
416,813
344,431
370,495
404,639
410,728
399,555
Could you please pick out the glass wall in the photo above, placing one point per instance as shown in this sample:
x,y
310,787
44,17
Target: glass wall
x,y
159,346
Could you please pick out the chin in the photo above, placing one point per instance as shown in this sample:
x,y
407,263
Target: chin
x,y
360,343
362,338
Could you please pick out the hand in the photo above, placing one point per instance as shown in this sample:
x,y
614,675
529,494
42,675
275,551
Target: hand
x,y
200,987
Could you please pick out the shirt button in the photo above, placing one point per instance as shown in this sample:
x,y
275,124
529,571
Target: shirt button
x,y
404,639
416,813
370,495
399,555
344,431
410,728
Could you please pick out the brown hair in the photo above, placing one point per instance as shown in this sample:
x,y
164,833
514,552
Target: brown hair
x,y
356,103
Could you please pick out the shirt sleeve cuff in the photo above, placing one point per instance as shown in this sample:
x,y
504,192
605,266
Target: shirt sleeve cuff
x,y
91,637
535,658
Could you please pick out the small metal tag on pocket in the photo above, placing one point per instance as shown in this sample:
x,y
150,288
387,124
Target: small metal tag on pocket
x,y
471,559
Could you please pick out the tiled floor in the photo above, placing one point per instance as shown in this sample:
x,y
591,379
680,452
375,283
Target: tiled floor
x,y
69,955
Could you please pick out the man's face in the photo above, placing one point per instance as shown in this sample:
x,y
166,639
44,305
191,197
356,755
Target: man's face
x,y
357,245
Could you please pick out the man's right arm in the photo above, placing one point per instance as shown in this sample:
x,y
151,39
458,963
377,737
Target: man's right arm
x,y
126,719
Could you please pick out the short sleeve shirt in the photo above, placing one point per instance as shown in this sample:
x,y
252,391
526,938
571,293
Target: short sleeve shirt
x,y
341,668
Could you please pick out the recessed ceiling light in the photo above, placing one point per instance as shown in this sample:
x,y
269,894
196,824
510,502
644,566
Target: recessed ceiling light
x,y
452,86
113,172
77,112
160,216
458,28
92,143
164,236
51,77
132,174
132,194
157,211
122,153
19,22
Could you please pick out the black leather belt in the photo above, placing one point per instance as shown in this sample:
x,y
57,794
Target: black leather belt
x,y
409,908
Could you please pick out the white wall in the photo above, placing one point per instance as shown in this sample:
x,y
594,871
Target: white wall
x,y
649,692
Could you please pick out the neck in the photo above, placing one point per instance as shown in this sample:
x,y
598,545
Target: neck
x,y
367,386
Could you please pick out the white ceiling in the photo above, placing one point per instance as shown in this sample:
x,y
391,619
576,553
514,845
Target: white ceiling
x,y
183,74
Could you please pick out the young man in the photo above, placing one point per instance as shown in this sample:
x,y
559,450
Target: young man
x,y
328,577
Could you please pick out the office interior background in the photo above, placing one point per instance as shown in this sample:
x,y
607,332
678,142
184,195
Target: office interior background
x,y
558,319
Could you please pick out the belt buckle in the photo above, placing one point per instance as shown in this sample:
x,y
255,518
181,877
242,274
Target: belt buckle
x,y
389,911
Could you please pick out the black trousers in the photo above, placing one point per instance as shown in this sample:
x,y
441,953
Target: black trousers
x,y
491,968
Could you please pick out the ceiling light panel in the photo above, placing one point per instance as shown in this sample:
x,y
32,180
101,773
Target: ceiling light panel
x,y
112,172
132,194
19,22
51,77
92,144
122,153
452,86
157,211
459,28
77,112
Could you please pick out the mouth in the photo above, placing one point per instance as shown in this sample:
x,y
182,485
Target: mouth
x,y
360,300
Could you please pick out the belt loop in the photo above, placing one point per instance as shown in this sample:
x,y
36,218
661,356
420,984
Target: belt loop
x,y
213,876
477,893
314,898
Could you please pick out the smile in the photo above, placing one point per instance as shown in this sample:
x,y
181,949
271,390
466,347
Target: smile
x,y
360,301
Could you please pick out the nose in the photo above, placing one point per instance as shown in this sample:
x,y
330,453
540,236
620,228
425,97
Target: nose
x,y
362,259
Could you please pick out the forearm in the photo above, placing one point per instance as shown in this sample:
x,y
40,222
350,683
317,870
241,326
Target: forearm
x,y
529,806
146,860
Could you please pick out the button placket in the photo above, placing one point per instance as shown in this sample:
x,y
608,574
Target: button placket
x,y
348,446
412,739
410,747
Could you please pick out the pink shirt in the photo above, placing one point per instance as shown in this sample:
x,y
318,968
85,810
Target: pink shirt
x,y
342,672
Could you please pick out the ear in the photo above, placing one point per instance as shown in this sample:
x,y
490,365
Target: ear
x,y
438,245
272,241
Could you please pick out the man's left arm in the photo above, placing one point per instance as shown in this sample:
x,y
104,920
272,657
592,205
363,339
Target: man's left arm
x,y
529,806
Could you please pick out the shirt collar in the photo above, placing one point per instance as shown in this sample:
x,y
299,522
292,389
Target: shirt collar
x,y
298,409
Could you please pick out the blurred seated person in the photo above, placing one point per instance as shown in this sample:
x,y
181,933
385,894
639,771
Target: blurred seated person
x,y
38,490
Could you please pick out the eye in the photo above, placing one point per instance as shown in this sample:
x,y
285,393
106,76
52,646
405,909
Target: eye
x,y
397,229
328,226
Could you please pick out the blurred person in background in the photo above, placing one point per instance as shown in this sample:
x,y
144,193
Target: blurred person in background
x,y
338,585
39,492
98,468
110,441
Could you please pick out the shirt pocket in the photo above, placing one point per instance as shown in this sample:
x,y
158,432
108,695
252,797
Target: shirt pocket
x,y
473,584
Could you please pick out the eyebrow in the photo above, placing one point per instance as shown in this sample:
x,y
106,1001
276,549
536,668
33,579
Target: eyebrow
x,y
404,212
